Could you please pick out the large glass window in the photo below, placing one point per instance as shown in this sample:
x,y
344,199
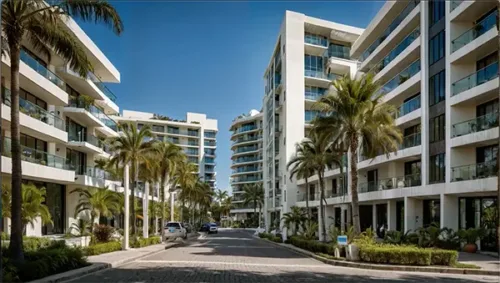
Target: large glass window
x,y
487,108
432,212
437,89
437,168
78,160
437,128
55,202
314,63
76,132
32,142
31,98
437,8
436,48
487,154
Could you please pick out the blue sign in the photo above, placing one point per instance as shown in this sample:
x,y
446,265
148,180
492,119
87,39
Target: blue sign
x,y
342,240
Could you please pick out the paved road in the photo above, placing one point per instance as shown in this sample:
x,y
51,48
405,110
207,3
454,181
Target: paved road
x,y
236,257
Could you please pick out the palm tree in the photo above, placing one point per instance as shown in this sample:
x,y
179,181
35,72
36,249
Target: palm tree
x,y
98,202
254,194
42,24
226,206
220,195
186,180
33,204
294,218
360,121
168,156
131,148
301,165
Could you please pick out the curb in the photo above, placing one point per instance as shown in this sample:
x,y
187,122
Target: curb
x,y
95,267
342,263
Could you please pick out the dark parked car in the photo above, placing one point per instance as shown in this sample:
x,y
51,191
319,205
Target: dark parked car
x,y
205,227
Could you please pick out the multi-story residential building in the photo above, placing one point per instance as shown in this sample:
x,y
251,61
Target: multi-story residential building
x,y
308,54
63,120
196,135
437,63
246,144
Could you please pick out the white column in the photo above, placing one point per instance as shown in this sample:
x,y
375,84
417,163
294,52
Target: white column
x,y
320,227
374,217
449,211
343,226
413,213
126,192
145,210
391,215
172,201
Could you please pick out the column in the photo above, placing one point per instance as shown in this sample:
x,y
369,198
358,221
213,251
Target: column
x,y
374,217
320,227
145,210
343,226
391,215
126,221
329,219
449,209
413,213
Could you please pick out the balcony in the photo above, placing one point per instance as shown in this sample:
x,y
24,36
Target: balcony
x,y
310,115
339,51
315,40
88,114
102,86
210,143
478,78
246,180
390,183
454,4
246,128
210,135
476,31
408,107
320,75
474,171
242,160
38,164
392,26
42,70
411,141
246,149
314,93
85,143
401,78
478,124
246,139
246,170
191,152
396,51
182,133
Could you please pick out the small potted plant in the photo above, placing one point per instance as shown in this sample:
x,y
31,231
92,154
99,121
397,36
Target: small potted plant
x,y
469,237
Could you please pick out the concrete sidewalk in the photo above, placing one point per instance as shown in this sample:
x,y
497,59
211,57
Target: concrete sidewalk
x,y
486,262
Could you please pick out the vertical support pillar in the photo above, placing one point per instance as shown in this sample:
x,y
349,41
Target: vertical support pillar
x,y
413,213
145,211
374,217
126,228
449,211
391,215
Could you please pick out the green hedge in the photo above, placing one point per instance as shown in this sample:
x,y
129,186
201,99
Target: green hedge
x,y
141,242
103,248
313,246
407,255
271,237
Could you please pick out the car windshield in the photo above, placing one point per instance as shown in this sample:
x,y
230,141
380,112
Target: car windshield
x,y
173,224
213,224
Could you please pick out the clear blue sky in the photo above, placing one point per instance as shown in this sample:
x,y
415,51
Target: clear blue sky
x,y
206,57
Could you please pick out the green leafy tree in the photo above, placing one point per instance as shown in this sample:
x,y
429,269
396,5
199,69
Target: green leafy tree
x,y
186,177
97,202
301,166
357,119
294,218
220,195
42,24
254,194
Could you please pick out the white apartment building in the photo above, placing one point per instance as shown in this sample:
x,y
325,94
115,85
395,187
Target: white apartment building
x,y
196,135
437,62
308,54
246,146
64,119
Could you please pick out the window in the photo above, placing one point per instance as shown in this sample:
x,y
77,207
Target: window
x,y
436,8
437,168
314,63
38,59
436,128
76,132
436,48
487,154
486,61
437,88
31,98
487,108
31,142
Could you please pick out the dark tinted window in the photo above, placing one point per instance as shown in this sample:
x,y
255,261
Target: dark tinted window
x,y
437,88
437,128
173,224
437,8
437,168
436,48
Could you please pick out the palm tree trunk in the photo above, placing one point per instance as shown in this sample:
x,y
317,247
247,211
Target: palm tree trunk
x,y
354,185
254,208
498,154
162,194
307,199
260,213
322,205
16,234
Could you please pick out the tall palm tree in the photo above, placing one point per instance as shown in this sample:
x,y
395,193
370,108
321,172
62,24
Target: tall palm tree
x,y
42,24
186,180
168,156
360,121
220,195
324,155
294,218
131,148
98,202
254,194
226,206
301,165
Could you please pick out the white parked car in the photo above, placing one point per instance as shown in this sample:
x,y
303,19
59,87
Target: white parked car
x,y
174,230
212,228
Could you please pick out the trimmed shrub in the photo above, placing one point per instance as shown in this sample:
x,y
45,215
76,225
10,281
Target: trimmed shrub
x,y
271,237
313,246
401,255
37,243
443,257
141,242
103,233
103,248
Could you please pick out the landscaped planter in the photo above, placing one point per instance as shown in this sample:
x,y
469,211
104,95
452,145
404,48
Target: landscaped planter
x,y
83,241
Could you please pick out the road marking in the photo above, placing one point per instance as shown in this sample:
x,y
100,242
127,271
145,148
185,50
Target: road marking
x,y
233,263
236,247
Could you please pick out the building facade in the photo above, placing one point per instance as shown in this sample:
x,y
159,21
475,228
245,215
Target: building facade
x,y
196,135
308,55
64,119
437,62
246,146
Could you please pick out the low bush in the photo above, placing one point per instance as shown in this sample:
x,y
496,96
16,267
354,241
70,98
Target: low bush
x,y
465,265
144,242
4,236
102,248
313,246
443,257
271,237
389,254
103,233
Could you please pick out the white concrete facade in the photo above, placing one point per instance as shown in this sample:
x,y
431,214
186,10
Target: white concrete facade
x,y
246,158
196,135
445,171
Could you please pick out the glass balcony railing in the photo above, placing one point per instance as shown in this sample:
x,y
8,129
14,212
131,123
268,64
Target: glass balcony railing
x,y
402,77
35,111
78,137
390,183
42,70
245,129
476,31
209,160
102,86
408,107
191,152
394,24
246,159
339,51
247,139
480,77
454,4
475,125
210,143
396,51
411,141
36,156
180,132
246,169
246,149
316,39
210,135
310,115
96,112
474,171
320,75
94,173
246,179
209,152
313,93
